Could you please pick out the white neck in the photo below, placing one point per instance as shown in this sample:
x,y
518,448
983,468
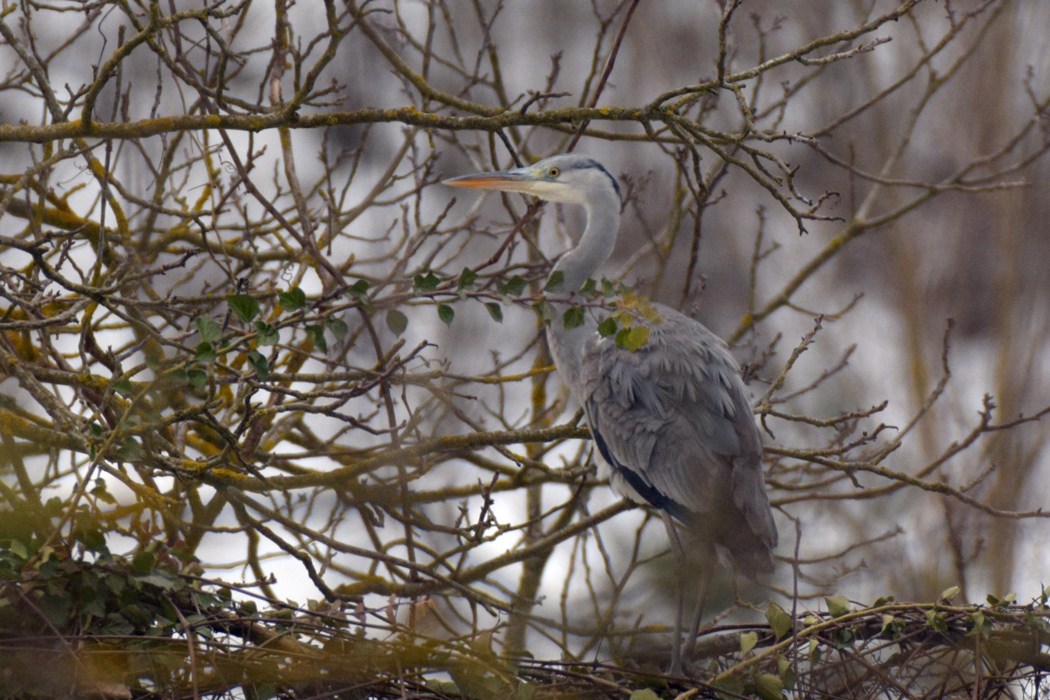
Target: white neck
x,y
576,266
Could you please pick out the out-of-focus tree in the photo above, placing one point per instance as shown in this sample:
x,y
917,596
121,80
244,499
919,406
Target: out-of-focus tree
x,y
278,417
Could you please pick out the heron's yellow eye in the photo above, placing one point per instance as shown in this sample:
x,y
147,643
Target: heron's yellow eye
x,y
553,172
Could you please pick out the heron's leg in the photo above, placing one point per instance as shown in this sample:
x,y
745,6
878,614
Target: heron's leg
x,y
679,577
710,562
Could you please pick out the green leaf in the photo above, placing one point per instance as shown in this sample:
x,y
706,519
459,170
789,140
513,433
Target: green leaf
x,y
359,288
512,288
426,283
981,625
779,621
316,334
143,562
338,327
467,278
882,600
748,640
732,684
396,321
844,638
633,338
205,353
123,387
19,549
608,288
589,290
495,311
950,593
936,620
267,334
246,307
101,493
293,299
210,330
838,606
545,311
573,317
607,327
56,608
259,364
644,694
786,671
554,282
446,314
161,579
198,378
769,687
263,691
130,450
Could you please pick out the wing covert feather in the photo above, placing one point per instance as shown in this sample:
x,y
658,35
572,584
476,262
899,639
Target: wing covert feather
x,y
674,426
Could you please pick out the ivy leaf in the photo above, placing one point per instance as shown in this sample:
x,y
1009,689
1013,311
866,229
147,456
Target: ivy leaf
x,y
19,549
982,625
209,328
512,288
779,621
769,687
732,684
246,307
426,283
143,562
495,311
644,694
293,299
748,640
259,363
890,628
101,493
554,282
359,288
197,378
338,327
607,327
573,317
589,290
608,288
545,311
446,314
467,278
266,334
936,620
837,606
316,334
786,671
396,321
205,353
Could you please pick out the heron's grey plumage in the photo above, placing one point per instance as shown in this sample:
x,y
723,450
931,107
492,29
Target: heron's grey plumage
x,y
675,430
671,420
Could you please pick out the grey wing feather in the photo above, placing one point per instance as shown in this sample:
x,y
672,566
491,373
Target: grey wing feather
x,y
674,428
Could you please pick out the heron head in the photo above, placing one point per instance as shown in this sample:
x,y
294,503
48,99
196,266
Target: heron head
x,y
567,178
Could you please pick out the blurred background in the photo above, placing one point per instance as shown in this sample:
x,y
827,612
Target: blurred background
x,y
911,151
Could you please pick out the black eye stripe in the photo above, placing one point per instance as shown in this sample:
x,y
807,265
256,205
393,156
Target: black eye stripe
x,y
599,166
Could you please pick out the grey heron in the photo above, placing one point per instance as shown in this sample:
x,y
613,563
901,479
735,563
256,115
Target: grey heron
x,y
671,421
